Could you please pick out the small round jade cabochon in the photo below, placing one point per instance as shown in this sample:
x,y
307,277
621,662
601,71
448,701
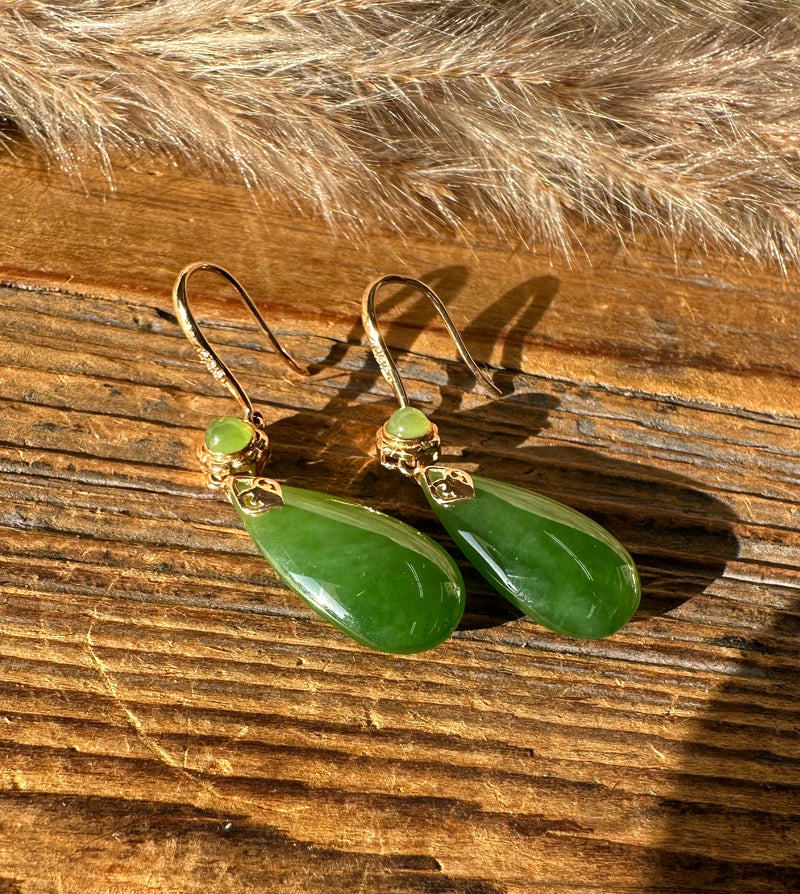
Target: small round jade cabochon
x,y
228,435
407,423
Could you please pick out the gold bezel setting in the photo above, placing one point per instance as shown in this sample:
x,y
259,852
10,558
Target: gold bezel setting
x,y
448,486
248,461
409,455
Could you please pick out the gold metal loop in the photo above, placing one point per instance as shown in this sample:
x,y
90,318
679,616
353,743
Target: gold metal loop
x,y
380,350
207,354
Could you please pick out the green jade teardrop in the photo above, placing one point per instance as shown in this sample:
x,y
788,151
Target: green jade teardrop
x,y
553,563
378,580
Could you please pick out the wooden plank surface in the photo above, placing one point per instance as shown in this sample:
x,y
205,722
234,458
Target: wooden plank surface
x,y
173,720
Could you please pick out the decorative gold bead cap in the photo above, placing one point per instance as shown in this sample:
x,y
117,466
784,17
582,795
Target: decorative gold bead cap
x,y
231,447
252,494
448,486
408,442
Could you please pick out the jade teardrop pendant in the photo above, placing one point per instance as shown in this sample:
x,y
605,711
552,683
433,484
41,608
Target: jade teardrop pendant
x,y
553,563
378,580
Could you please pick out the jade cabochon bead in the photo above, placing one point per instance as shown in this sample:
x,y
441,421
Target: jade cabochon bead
x,y
407,423
383,583
228,434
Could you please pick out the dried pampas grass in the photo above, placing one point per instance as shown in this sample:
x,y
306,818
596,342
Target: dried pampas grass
x,y
681,118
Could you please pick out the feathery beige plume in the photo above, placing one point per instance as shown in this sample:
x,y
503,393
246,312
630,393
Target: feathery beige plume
x,y
679,118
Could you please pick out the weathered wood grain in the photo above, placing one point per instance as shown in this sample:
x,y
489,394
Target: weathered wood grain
x,y
173,720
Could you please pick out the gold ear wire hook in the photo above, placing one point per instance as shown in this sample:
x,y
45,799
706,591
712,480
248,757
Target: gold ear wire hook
x,y
207,354
380,350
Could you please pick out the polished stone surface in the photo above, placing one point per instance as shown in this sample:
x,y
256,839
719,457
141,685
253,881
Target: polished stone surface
x,y
553,563
228,434
377,579
407,423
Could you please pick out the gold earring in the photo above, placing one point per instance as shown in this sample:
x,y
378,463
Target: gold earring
x,y
378,580
553,563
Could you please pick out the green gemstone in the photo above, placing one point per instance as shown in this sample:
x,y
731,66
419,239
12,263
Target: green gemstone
x,y
383,583
407,423
227,434
553,563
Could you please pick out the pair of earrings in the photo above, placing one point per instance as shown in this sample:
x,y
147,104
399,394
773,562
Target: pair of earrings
x,y
377,579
